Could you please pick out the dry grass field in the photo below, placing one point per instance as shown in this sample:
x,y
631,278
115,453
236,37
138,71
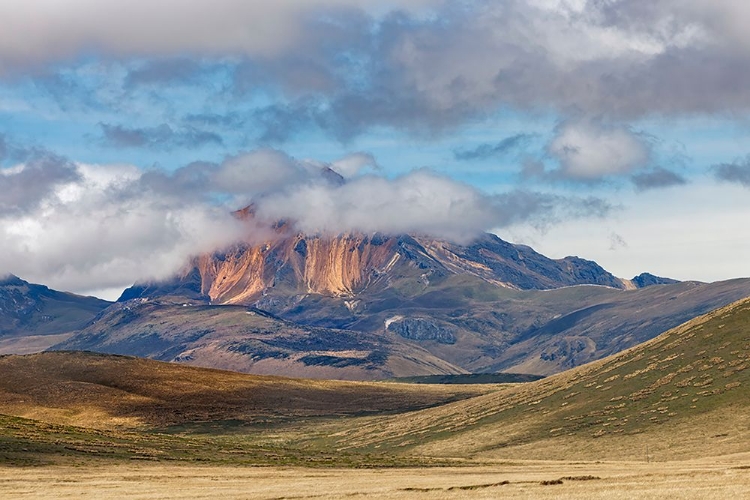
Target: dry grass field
x,y
729,478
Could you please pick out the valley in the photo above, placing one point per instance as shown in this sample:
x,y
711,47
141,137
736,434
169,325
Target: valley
x,y
644,422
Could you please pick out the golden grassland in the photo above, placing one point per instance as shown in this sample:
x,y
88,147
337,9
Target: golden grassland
x,y
729,478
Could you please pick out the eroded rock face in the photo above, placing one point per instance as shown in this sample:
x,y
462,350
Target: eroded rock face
x,y
422,329
340,266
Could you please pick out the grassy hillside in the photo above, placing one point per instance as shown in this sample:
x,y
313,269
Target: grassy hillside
x,y
73,406
470,378
97,390
683,394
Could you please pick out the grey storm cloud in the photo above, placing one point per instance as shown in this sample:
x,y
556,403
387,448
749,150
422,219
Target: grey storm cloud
x,y
513,143
123,28
621,60
424,65
657,178
23,189
162,137
737,172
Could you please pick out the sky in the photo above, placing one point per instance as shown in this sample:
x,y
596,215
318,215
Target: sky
x,y
615,130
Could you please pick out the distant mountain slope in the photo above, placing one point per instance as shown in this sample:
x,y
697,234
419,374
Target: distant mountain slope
x,y
248,340
684,394
457,324
647,279
34,316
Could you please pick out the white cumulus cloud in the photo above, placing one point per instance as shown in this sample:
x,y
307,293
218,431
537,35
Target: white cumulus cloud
x,y
588,151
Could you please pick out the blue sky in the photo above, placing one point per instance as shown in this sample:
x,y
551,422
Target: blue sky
x,y
616,130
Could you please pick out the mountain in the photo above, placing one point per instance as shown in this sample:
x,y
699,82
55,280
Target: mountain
x,y
401,306
350,265
647,279
684,394
368,307
33,317
249,340
457,324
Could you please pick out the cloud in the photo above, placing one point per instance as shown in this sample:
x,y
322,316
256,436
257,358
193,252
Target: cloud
x,y
613,59
426,66
258,172
419,202
87,230
616,241
162,137
25,187
281,121
657,178
483,151
590,151
737,172
90,227
354,163
237,180
232,119
155,28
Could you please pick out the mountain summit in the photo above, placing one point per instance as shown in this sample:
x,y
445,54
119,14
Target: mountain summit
x,y
352,264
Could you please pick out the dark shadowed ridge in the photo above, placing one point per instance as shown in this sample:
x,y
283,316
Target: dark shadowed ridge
x,y
28,310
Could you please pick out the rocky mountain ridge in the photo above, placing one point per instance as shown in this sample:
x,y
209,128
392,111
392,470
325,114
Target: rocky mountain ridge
x,y
352,264
33,317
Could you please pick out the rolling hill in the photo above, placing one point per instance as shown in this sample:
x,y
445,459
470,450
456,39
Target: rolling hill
x,y
681,395
248,340
104,391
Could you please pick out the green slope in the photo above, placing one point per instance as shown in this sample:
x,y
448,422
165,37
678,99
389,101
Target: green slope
x,y
683,394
